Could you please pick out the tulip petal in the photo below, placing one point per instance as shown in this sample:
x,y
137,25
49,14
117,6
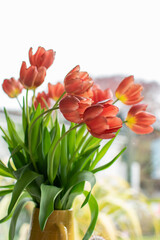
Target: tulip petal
x,y
68,104
98,125
92,112
137,108
41,57
134,101
141,129
134,90
38,56
55,91
23,71
145,118
40,77
48,58
114,122
75,69
30,77
73,85
103,135
124,85
110,110
73,117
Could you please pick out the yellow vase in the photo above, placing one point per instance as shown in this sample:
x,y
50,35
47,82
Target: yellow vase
x,y
60,226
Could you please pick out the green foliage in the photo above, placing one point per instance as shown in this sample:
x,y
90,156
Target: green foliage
x,y
94,215
15,216
48,196
51,163
4,171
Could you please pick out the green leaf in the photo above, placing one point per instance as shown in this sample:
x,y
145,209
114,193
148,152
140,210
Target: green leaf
x,y
48,196
15,150
34,188
6,137
90,142
4,171
64,159
16,140
83,159
5,192
76,190
15,216
54,155
18,173
76,179
6,218
46,141
26,178
80,134
24,118
18,158
71,140
94,215
108,164
102,152
7,186
34,130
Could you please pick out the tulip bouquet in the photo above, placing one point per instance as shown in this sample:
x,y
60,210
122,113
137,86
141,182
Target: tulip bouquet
x,y
50,161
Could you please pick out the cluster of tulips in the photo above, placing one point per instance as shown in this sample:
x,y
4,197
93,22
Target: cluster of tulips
x,y
82,101
52,162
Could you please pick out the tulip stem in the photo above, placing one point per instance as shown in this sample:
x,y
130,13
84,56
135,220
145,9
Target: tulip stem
x,y
55,105
19,102
45,103
34,92
115,101
27,109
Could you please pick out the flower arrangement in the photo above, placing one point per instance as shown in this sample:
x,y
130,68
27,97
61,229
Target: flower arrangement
x,y
51,162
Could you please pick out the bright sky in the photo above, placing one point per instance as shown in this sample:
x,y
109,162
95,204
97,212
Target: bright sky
x,y
104,37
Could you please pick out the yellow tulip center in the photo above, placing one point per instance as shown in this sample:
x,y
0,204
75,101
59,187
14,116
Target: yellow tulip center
x,y
130,121
122,98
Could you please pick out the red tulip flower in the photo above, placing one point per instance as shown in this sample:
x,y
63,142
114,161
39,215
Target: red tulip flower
x,y
99,95
43,99
138,120
12,87
55,91
32,77
73,107
128,92
76,82
41,57
101,120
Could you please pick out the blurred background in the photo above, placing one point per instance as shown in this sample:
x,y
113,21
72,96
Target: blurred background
x,y
110,40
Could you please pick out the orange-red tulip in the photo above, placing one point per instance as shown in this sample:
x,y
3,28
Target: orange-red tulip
x,y
41,57
73,107
128,92
101,120
99,95
76,82
43,99
138,120
32,77
12,87
55,91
